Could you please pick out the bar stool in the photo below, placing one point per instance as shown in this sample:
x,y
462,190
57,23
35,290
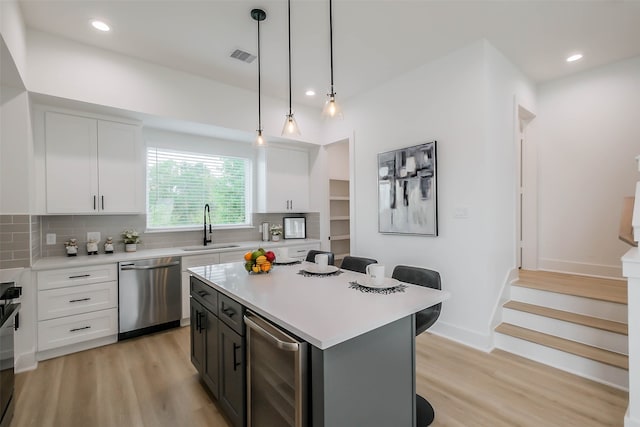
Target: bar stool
x,y
425,413
357,264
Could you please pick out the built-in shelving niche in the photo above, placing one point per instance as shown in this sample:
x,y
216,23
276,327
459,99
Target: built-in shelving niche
x,y
339,232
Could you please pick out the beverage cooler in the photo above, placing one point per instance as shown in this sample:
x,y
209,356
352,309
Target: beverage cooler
x,y
276,376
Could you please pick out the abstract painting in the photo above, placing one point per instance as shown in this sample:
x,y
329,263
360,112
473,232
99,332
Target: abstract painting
x,y
407,196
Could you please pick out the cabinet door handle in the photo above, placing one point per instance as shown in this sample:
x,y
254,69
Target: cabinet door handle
x,y
292,204
236,347
94,203
201,317
80,300
80,276
102,198
228,311
79,329
202,293
197,321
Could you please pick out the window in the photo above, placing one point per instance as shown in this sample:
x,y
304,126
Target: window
x,y
179,184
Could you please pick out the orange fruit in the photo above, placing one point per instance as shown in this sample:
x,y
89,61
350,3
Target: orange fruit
x,y
266,266
247,256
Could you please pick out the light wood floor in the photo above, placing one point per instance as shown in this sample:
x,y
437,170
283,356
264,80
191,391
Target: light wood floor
x,y
150,382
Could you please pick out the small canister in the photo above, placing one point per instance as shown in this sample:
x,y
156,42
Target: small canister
x,y
265,231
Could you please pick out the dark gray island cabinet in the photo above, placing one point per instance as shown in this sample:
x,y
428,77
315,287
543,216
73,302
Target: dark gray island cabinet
x,y
217,347
359,357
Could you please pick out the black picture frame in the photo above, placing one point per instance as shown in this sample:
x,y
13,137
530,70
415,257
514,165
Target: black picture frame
x,y
407,190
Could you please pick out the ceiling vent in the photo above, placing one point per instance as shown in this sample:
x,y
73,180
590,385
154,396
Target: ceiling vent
x,y
243,56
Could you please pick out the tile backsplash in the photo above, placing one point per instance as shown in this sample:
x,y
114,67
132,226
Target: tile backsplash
x,y
15,242
76,226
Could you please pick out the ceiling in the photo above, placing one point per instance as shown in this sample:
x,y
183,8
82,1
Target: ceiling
x,y
374,41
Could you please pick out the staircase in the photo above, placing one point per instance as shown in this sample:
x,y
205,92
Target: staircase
x,y
574,323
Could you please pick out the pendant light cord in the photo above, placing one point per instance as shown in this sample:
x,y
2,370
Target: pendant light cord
x,y
331,41
259,85
289,26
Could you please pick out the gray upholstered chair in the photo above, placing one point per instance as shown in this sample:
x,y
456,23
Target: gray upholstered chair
x,y
311,256
357,264
424,319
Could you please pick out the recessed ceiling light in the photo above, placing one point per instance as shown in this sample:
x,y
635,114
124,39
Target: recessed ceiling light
x,y
574,57
310,92
100,25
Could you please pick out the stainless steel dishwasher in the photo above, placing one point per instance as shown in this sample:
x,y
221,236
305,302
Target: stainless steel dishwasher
x,y
149,295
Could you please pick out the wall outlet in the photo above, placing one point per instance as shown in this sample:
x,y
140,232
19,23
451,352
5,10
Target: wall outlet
x,y
51,238
93,235
461,212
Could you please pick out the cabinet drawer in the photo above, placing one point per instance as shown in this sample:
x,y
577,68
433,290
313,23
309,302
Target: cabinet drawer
x,y
74,329
72,300
77,276
300,252
205,294
231,312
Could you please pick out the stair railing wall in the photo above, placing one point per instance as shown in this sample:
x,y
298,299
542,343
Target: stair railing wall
x,y
631,270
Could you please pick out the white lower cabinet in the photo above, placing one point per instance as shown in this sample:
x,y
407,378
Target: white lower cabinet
x,y
77,309
299,252
69,330
61,302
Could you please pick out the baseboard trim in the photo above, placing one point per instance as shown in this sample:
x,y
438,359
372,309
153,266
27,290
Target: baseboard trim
x,y
74,348
463,336
25,361
585,269
505,295
629,422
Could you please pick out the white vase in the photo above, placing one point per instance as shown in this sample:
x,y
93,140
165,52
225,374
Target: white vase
x,y
275,238
130,247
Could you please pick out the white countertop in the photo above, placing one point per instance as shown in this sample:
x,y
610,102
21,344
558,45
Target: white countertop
x,y
323,311
10,274
86,260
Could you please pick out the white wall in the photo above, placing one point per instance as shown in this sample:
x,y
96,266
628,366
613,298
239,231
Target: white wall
x,y
16,152
66,69
588,138
465,102
338,153
12,31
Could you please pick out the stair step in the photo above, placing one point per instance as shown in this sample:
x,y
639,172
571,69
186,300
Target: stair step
x,y
612,290
580,319
599,355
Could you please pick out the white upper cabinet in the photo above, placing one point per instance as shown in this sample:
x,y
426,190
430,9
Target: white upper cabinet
x,y
283,180
92,166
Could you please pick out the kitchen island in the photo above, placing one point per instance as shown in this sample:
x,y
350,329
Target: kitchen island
x,y
361,358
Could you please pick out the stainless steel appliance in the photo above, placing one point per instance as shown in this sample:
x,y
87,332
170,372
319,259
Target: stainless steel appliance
x,y
149,294
276,376
9,322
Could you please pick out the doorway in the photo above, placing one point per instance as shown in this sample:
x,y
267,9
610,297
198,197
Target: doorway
x,y
526,196
339,200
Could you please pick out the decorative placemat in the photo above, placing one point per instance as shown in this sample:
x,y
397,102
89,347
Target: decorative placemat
x,y
383,291
307,274
287,263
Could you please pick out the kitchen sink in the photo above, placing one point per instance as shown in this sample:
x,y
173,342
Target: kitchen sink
x,y
210,247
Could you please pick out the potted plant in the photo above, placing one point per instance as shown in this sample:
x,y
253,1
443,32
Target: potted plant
x,y
276,232
130,238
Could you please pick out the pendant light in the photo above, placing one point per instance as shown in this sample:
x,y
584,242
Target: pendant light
x,y
259,15
290,125
331,107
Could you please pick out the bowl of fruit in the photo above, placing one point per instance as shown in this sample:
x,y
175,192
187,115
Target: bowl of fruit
x,y
259,261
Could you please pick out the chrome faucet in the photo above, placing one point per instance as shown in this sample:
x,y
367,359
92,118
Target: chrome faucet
x,y
207,212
